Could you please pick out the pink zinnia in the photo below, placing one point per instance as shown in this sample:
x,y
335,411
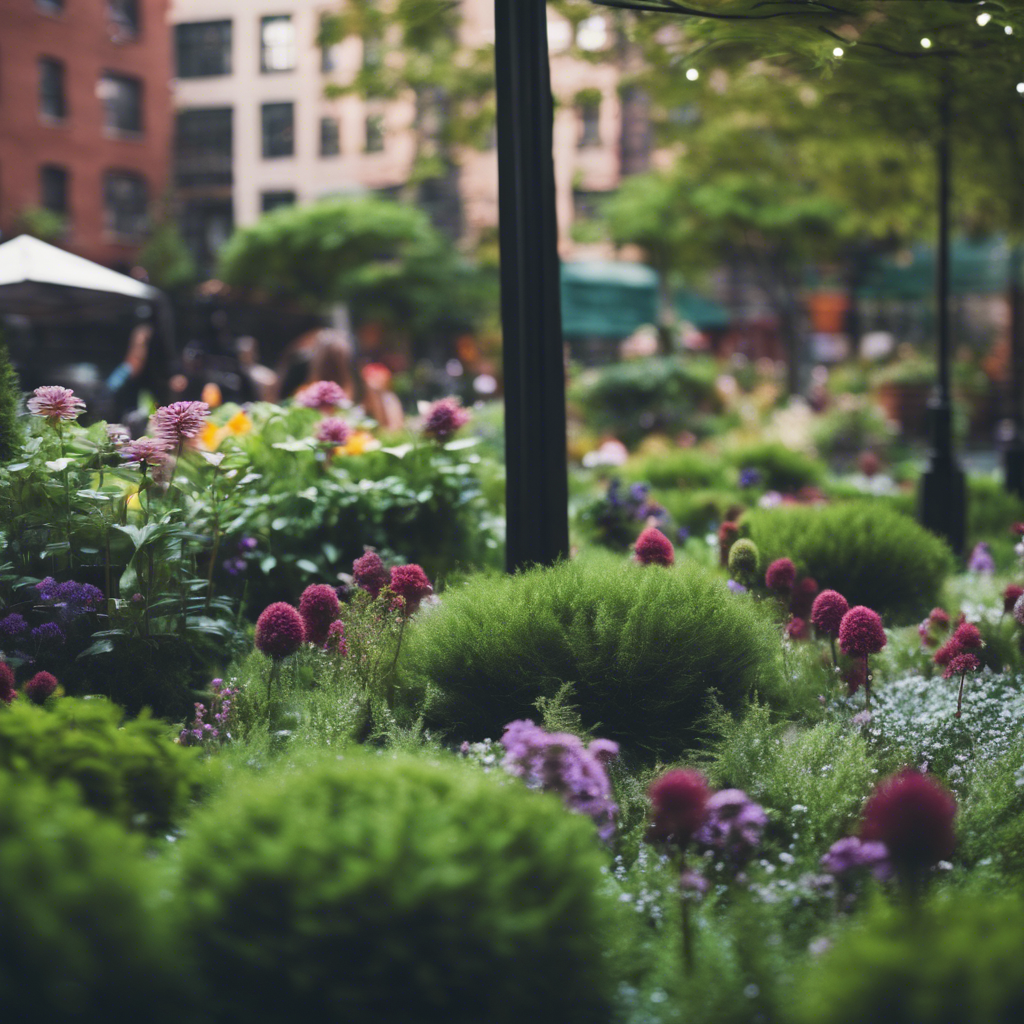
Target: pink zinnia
x,y
41,687
369,573
318,607
410,583
179,422
333,431
827,612
654,548
678,801
444,418
7,690
913,815
861,632
150,450
280,630
781,576
796,628
56,403
324,395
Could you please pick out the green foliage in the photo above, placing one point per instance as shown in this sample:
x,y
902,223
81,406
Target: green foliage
x,y
10,397
42,223
744,561
680,468
166,258
646,649
782,468
991,509
991,822
871,554
130,771
852,426
392,889
956,960
82,933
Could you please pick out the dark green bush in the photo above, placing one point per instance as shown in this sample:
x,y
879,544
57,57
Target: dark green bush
x,y
132,771
82,936
645,648
958,960
392,890
700,510
871,554
681,468
781,468
991,823
10,398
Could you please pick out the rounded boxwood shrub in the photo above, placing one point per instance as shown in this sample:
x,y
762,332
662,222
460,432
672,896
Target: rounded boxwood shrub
x,y
682,468
131,771
389,889
871,554
959,960
781,468
644,647
82,932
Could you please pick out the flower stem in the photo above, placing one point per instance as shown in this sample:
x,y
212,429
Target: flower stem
x,y
867,685
275,671
960,695
688,957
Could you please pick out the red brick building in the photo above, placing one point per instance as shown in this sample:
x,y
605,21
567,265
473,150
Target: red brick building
x,y
85,119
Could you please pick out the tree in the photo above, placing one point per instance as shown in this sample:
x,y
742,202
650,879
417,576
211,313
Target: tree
x,y
10,395
166,259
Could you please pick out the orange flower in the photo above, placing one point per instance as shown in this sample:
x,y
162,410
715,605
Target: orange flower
x,y
239,424
211,436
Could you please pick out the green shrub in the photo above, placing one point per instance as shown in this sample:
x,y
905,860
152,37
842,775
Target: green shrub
x,y
82,937
781,468
869,553
132,771
851,426
744,561
991,509
991,822
645,647
699,510
958,960
681,468
10,397
389,889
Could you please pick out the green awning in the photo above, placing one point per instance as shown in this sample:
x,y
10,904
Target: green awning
x,y
977,267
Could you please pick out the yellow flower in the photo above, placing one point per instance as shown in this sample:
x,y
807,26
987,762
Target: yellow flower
x,y
240,423
361,441
211,436
134,502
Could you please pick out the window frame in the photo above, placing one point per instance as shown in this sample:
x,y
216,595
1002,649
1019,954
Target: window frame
x,y
265,67
336,122
53,63
136,106
110,214
224,47
64,209
264,149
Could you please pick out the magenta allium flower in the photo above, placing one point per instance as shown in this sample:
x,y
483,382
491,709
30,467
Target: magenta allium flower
x,y
179,422
827,612
324,395
960,664
801,601
369,573
967,637
732,825
335,641
797,629
861,632
41,687
7,690
781,576
1011,595
848,854
939,618
410,583
654,548
150,450
728,534
913,815
318,607
280,630
444,418
333,431
678,800
56,403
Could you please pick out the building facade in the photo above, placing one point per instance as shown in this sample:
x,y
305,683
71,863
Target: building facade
x,y
85,121
255,127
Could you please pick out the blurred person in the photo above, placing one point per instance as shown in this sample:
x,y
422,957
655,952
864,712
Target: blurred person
x,y
321,354
259,382
379,401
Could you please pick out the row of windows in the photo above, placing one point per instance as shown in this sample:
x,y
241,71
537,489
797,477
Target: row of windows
x,y
122,14
121,96
125,198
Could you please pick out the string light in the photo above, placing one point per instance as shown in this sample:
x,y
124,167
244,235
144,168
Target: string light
x,y
1020,87
838,52
983,19
692,75
1008,30
926,43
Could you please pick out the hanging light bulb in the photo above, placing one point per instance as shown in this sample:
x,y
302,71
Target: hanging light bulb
x,y
1020,88
838,52
983,19
1008,30
692,75
926,43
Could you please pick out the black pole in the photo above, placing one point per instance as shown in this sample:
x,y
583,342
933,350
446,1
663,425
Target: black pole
x,y
943,491
536,489
1013,456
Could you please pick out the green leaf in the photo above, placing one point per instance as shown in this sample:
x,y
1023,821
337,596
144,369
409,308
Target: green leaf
x,y
307,566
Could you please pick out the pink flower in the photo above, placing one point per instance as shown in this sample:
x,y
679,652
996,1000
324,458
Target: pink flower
x,y
827,612
797,628
369,573
801,602
604,750
324,395
960,664
410,583
7,690
179,422
861,632
781,576
444,418
335,641
40,687
56,403
150,450
968,637
1010,597
939,617
280,630
318,607
654,548
678,800
333,431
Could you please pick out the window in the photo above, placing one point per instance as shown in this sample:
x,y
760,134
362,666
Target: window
x,y
278,122
277,43
206,224
375,133
273,200
203,146
50,6
125,203
53,188
52,103
122,103
124,15
203,49
590,123
330,136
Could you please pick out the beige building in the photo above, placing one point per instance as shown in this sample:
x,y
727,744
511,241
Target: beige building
x,y
255,128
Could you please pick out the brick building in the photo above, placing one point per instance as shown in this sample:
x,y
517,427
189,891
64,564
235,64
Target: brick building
x,y
85,119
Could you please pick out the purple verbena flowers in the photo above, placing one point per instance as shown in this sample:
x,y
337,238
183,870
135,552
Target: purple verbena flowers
x,y
733,824
210,726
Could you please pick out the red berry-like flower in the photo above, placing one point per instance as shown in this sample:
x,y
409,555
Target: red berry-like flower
x,y
7,690
939,618
41,687
318,607
1017,529
728,534
654,548
960,664
801,601
280,630
410,582
968,637
781,576
797,629
947,652
369,573
827,612
1010,597
913,815
444,418
861,632
678,800
336,638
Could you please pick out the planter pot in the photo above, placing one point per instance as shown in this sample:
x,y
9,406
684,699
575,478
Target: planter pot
x,y
907,405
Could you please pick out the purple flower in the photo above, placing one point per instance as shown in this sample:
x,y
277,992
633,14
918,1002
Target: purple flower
x,y
749,477
204,732
335,642
981,559
733,824
638,492
444,418
41,687
736,588
280,630
47,589
178,422
49,633
12,626
248,544
324,395
234,566
149,450
56,403
333,431
682,535
851,853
